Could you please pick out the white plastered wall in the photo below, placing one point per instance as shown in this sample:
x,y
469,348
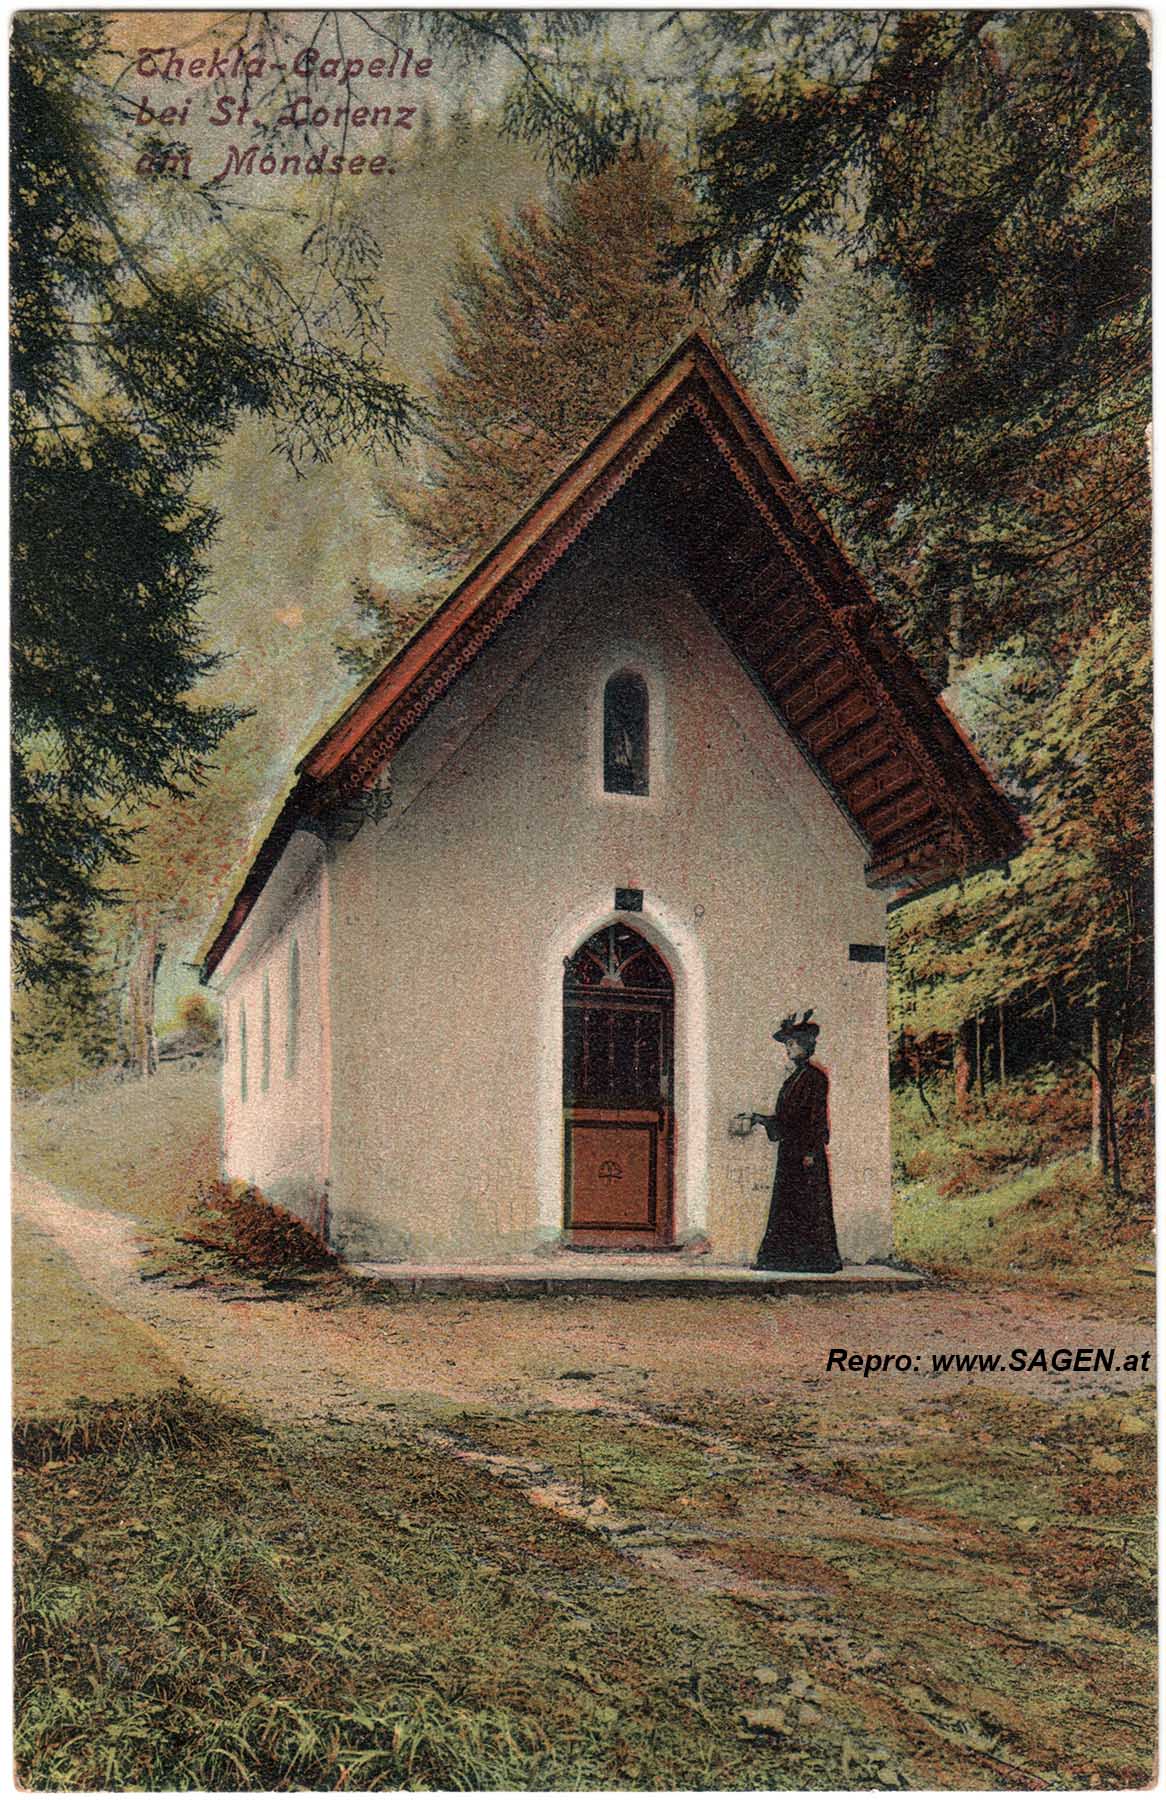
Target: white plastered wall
x,y
501,853
277,1137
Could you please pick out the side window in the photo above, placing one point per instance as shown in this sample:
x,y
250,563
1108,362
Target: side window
x,y
265,1065
242,1053
625,735
293,1010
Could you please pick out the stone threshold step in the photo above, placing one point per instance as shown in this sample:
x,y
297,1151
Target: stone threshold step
x,y
528,1281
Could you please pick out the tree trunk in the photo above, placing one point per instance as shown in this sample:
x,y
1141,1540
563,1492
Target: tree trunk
x,y
955,636
151,1006
981,1056
963,1066
1115,1151
141,1043
124,1050
1000,1074
922,1091
915,1068
1099,1134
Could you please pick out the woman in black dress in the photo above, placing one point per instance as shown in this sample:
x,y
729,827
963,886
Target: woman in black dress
x,y
800,1232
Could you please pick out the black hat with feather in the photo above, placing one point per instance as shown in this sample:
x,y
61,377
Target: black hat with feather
x,y
798,1031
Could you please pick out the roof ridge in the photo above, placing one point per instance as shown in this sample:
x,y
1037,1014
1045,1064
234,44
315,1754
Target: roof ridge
x,y
694,379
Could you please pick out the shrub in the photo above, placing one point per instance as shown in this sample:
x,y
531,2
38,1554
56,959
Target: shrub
x,y
197,1020
235,1221
918,1165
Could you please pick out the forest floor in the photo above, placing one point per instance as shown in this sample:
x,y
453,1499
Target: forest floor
x,y
1005,1194
302,1536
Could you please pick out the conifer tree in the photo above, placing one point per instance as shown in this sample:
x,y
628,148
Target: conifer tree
x,y
129,366
1065,934
970,190
967,373
552,324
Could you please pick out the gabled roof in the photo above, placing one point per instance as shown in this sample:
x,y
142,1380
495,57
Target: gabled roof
x,y
690,452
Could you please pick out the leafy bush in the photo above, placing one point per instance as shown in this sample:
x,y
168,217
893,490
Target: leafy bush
x,y
197,1020
234,1220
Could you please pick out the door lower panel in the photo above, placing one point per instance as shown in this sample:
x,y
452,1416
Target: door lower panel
x,y
617,1176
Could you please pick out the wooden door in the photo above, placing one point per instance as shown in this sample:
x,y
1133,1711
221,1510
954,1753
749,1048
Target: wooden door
x,y
617,1093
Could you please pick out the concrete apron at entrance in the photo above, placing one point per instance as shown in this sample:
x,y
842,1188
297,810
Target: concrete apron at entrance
x,y
656,1276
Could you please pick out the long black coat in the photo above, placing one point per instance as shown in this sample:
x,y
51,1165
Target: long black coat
x,y
800,1232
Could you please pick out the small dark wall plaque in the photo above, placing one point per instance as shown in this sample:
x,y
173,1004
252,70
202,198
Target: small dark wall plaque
x,y
629,899
867,953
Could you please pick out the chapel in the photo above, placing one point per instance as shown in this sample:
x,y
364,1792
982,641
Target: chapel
x,y
509,961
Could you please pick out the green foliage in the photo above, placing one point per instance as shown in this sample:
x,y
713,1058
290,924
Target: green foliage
x,y
977,423
954,208
943,141
582,108
129,365
383,624
1006,1193
1069,924
63,1029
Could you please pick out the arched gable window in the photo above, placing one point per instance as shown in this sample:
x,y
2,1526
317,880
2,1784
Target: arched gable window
x,y
625,735
293,1009
242,1053
265,1065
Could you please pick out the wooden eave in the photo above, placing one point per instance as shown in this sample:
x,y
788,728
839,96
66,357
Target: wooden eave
x,y
796,613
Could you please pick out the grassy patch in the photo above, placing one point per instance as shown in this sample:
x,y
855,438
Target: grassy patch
x,y
927,1570
203,1604
1008,1193
67,1342
1026,1458
302,1612
138,1147
629,1466
171,1420
961,1594
1049,1601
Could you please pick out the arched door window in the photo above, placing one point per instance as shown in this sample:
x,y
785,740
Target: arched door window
x,y
625,735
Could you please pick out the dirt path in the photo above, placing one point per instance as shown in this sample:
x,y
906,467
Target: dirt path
x,y
706,1441
293,1360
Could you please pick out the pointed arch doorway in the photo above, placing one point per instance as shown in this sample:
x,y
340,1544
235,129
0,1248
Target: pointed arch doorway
x,y
619,1120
